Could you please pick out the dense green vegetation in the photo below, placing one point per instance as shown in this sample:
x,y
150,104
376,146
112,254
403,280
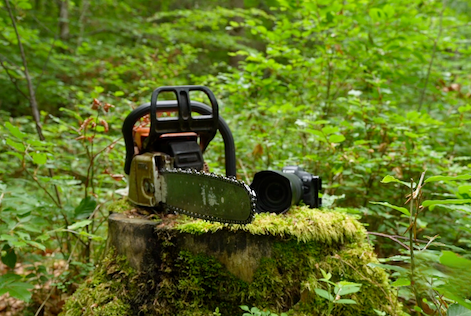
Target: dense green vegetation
x,y
362,93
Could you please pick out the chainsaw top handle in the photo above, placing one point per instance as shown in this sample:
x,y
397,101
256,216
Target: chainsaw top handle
x,y
204,125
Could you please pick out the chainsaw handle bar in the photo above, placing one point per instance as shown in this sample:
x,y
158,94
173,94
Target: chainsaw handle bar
x,y
172,106
206,124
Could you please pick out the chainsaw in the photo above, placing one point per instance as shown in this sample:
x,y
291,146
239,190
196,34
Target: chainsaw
x,y
164,161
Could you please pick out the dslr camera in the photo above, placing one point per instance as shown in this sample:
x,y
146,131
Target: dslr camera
x,y
278,191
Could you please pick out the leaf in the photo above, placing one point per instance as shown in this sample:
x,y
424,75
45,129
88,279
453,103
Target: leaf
x,y
336,138
10,257
388,179
85,208
18,290
388,267
15,131
349,288
80,224
245,308
118,93
448,178
450,201
330,130
324,294
39,158
397,208
401,282
345,301
451,259
18,146
458,310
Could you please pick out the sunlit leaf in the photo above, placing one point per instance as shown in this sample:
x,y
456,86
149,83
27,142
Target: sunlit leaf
x,y
448,178
397,208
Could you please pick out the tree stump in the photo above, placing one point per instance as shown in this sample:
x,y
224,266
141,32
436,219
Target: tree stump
x,y
176,265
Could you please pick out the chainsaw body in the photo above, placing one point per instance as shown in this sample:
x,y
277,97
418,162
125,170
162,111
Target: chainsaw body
x,y
165,162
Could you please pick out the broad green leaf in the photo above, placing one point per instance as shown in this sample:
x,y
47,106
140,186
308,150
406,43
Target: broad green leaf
x,y
18,146
337,138
10,257
330,130
458,310
448,178
345,301
349,289
39,158
245,308
388,266
452,296
388,179
18,290
401,282
85,208
118,93
79,224
15,131
36,244
451,259
428,203
324,294
397,208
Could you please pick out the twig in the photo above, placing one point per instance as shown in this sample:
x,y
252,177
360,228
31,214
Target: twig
x,y
32,99
13,80
32,96
430,241
390,237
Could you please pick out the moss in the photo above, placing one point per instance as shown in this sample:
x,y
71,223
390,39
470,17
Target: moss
x,y
101,294
187,283
120,206
302,223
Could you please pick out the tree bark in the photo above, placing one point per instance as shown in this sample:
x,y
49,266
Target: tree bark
x,y
64,20
237,32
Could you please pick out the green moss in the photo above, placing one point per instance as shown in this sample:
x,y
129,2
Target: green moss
x,y
187,283
120,206
102,294
302,223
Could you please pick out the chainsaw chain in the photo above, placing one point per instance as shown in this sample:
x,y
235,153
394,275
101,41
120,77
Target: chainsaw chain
x,y
232,180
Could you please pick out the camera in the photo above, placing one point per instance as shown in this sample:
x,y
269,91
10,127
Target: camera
x,y
277,191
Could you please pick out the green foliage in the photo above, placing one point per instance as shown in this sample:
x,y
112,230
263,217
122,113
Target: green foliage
x,y
433,275
254,311
352,91
340,288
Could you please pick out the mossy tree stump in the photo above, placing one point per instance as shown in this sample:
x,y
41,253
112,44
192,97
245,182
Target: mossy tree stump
x,y
176,265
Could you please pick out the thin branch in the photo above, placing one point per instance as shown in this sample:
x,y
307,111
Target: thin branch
x,y
32,96
390,237
13,80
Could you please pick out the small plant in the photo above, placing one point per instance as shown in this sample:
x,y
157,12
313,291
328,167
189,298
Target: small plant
x,y
433,278
254,311
339,289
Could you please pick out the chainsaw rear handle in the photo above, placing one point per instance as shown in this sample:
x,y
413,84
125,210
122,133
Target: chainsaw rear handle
x,y
173,106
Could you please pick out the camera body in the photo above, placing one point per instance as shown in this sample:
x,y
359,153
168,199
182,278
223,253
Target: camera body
x,y
311,185
277,191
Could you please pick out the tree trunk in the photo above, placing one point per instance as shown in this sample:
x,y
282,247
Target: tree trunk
x,y
237,32
64,19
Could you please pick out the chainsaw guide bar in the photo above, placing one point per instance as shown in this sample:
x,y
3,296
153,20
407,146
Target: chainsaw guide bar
x,y
208,196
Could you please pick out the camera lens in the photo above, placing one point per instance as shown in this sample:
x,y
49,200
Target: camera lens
x,y
276,191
